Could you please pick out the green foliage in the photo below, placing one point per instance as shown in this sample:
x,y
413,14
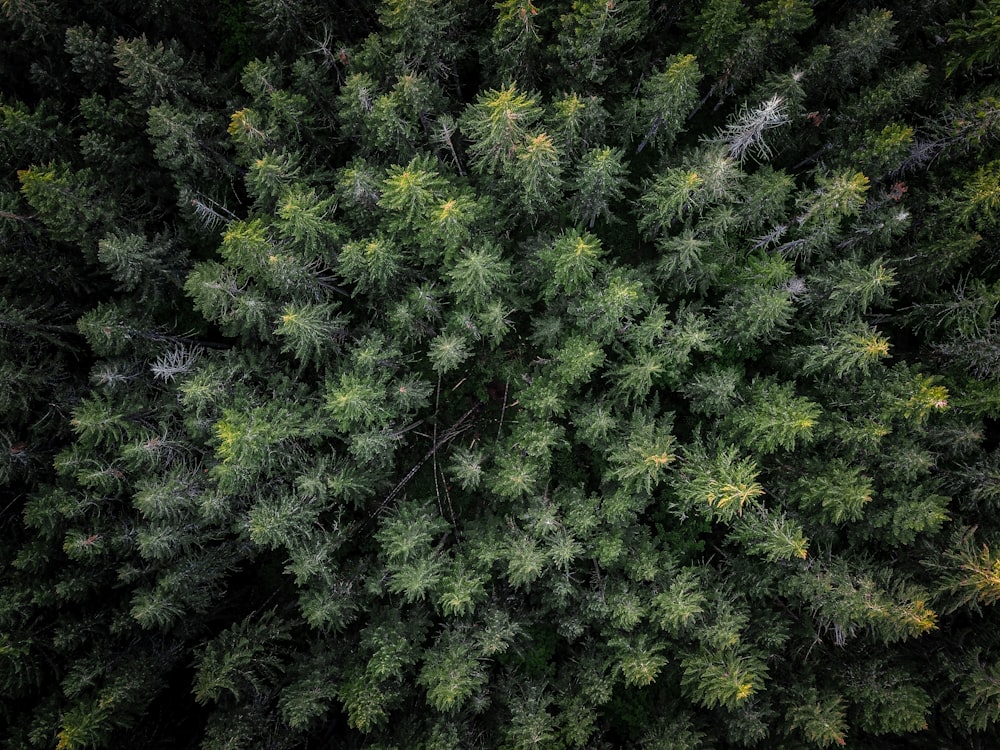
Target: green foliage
x,y
239,660
666,99
592,30
68,202
821,720
599,184
727,677
977,576
371,264
975,35
447,351
772,535
309,329
640,662
571,261
479,274
152,73
840,491
979,693
409,192
890,703
716,29
436,375
411,528
859,45
451,674
497,125
641,459
979,200
721,483
847,351
775,418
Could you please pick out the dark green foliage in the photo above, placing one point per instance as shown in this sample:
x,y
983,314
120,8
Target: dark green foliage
x,y
438,375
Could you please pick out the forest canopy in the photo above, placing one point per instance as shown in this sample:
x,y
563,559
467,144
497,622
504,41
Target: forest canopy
x,y
431,374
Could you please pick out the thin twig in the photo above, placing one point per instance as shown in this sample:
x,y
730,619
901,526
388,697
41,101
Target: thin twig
x,y
703,100
437,403
650,135
503,409
451,508
15,217
447,436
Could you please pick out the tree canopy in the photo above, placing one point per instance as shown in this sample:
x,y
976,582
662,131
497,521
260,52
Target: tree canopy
x,y
411,374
